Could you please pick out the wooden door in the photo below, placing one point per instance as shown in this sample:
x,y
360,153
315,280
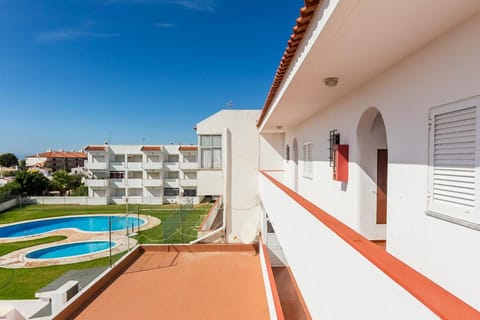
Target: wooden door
x,y
382,171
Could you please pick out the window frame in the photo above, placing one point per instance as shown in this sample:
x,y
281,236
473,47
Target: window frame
x,y
308,160
210,148
454,213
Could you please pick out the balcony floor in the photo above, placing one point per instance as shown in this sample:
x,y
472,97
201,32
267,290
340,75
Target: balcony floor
x,y
186,282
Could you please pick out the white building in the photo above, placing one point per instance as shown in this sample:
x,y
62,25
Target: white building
x,y
142,174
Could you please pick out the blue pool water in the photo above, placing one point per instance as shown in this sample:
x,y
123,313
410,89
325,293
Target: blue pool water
x,y
69,249
83,223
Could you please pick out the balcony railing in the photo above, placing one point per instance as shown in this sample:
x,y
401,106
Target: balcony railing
x,y
152,182
171,183
188,182
172,166
97,182
189,165
118,166
95,165
152,165
341,274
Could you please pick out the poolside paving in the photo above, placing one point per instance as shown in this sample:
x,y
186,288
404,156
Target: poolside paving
x,y
17,259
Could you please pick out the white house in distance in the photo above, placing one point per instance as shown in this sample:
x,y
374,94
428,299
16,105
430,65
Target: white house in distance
x,y
142,174
358,178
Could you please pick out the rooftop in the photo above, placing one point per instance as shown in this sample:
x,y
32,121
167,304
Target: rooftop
x,y
179,282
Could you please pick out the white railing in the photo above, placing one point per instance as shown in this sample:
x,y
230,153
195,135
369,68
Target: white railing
x,y
189,165
95,165
152,165
137,166
96,182
171,183
152,182
118,166
173,166
342,275
188,182
133,182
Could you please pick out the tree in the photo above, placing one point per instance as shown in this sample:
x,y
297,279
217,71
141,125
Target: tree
x,y
10,189
8,160
31,182
61,181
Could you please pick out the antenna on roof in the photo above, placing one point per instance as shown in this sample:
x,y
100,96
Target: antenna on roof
x,y
229,104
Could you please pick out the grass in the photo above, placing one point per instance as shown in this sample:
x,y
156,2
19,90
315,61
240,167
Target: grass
x,y
22,283
178,226
13,246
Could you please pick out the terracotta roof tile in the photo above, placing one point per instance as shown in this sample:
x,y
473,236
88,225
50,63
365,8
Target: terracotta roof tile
x,y
60,154
306,14
188,148
151,148
95,148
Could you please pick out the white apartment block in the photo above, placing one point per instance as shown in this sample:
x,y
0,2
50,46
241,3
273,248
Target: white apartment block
x,y
139,174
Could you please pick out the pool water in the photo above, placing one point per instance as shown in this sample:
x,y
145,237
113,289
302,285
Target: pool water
x,y
70,249
82,223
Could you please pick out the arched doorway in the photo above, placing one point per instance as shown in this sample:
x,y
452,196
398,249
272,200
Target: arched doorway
x,y
373,174
295,165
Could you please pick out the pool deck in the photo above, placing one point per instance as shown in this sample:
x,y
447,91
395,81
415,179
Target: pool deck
x,y
17,259
180,282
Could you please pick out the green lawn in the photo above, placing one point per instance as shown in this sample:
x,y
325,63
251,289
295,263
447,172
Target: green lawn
x,y
178,225
12,246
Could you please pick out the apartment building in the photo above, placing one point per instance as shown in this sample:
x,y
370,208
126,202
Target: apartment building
x,y
142,174
57,160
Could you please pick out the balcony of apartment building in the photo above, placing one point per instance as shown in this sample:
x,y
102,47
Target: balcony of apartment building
x,y
95,165
185,183
152,162
97,183
153,182
334,264
171,179
189,180
171,162
186,166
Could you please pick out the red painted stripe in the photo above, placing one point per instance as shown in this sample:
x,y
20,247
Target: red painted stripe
x,y
443,303
273,285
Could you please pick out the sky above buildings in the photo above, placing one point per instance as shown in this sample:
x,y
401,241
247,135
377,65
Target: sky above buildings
x,y
78,72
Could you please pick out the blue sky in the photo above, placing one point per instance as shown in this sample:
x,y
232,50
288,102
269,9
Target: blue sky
x,y
71,71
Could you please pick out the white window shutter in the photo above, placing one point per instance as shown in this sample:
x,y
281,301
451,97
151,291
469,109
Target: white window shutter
x,y
453,159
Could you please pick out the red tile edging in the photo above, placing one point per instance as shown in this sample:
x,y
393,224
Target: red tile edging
x,y
441,302
273,285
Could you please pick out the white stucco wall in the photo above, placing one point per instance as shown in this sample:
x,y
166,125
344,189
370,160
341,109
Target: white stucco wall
x,y
444,71
240,155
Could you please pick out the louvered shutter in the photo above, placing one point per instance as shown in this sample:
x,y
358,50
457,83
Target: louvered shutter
x,y
453,159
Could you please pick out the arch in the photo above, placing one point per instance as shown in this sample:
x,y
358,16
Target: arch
x,y
372,174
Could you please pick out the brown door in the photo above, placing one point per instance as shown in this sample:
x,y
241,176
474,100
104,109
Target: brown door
x,y
382,165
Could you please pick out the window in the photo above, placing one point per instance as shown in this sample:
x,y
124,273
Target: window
x,y
117,174
453,160
308,160
287,152
170,192
211,151
190,192
172,175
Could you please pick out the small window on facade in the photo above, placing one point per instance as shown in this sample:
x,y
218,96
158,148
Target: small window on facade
x,y
453,159
308,160
287,152
211,151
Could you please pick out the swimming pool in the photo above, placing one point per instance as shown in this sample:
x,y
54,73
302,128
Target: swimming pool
x,y
70,250
82,223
